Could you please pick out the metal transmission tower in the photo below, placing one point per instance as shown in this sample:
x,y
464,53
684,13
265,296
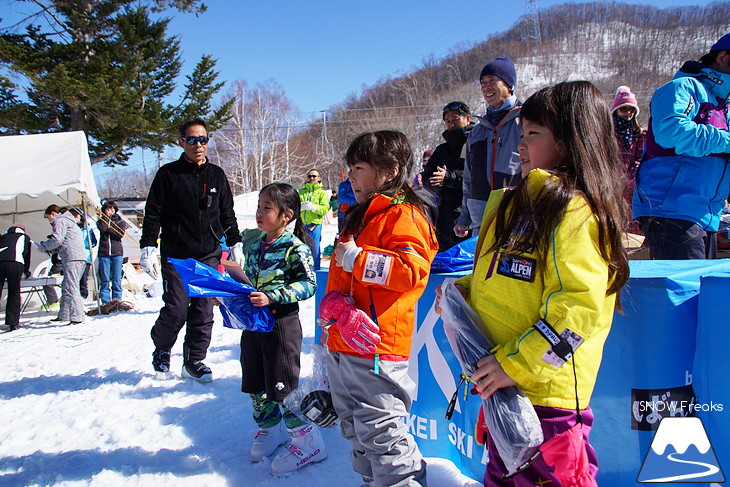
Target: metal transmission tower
x,y
532,14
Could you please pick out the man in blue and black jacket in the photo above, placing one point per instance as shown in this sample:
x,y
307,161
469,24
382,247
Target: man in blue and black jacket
x,y
684,176
491,160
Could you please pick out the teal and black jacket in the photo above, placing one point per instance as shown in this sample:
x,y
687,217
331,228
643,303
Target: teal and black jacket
x,y
285,272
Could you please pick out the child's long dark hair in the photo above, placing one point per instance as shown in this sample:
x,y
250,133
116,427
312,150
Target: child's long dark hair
x,y
384,150
579,118
287,198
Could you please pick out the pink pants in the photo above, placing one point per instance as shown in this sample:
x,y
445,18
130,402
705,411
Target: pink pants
x,y
566,461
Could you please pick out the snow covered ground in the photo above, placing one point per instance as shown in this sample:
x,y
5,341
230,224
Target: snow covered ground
x,y
81,406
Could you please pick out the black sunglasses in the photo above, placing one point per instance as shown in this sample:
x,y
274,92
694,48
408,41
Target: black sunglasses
x,y
191,140
460,107
311,176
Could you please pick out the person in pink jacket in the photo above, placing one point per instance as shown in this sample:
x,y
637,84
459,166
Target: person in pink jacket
x,y
630,137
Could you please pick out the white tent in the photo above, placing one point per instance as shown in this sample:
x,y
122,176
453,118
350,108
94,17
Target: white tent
x,y
40,170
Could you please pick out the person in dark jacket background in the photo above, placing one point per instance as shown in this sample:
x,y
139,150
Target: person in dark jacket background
x,y
111,251
14,264
190,206
444,172
631,139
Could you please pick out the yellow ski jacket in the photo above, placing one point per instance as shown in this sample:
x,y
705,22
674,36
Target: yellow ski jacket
x,y
511,294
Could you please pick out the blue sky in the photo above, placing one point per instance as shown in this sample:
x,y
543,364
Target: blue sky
x,y
321,51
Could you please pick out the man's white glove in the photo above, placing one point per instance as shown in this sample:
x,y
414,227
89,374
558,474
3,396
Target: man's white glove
x,y
236,254
309,206
148,261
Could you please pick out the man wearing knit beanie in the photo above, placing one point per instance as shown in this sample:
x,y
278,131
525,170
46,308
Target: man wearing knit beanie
x,y
503,68
684,176
492,160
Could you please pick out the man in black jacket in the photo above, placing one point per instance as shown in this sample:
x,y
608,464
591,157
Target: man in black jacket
x,y
444,173
190,206
14,263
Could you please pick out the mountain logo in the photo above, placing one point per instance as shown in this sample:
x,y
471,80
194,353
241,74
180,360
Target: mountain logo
x,y
680,452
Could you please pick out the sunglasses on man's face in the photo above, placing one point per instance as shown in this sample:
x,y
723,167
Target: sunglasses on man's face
x,y
312,176
191,140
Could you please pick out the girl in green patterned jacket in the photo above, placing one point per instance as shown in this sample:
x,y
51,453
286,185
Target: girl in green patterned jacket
x,y
280,266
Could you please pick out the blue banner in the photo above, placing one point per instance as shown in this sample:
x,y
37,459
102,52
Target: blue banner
x,y
711,366
667,350
647,368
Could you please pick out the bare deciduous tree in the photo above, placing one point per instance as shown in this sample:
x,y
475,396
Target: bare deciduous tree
x,y
256,146
118,184
609,44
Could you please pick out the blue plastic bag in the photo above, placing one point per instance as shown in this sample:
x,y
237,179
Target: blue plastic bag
x,y
458,258
202,281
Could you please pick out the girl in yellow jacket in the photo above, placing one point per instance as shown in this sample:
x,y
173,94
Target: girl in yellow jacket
x,y
548,270
380,269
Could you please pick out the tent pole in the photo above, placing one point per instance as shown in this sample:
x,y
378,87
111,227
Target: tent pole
x,y
93,269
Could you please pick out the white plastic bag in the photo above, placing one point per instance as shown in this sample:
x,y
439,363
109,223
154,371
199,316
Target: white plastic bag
x,y
311,401
513,424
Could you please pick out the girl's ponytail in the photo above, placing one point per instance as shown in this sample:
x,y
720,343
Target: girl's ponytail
x,y
300,232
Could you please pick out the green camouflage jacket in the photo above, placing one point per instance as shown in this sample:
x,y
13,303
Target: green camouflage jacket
x,y
285,272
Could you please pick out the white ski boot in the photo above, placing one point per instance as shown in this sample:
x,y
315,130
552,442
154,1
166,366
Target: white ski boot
x,y
267,440
306,447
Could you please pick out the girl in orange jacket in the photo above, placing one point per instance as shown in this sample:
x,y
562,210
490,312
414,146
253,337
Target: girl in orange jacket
x,y
381,267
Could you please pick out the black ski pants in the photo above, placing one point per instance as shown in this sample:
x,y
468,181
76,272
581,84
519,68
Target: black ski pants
x,y
12,272
180,310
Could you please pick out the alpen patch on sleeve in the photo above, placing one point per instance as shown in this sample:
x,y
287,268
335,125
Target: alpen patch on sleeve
x,y
517,267
569,336
377,268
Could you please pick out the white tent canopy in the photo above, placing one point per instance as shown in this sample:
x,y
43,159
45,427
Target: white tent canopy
x,y
40,170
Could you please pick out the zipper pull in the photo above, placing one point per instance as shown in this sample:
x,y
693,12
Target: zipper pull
x,y
490,271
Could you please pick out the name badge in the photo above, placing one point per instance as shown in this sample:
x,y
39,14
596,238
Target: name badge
x,y
377,268
517,267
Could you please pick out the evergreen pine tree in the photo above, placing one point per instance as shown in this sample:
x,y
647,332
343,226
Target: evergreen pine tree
x,y
105,67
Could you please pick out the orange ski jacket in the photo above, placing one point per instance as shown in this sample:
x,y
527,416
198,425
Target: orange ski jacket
x,y
389,275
